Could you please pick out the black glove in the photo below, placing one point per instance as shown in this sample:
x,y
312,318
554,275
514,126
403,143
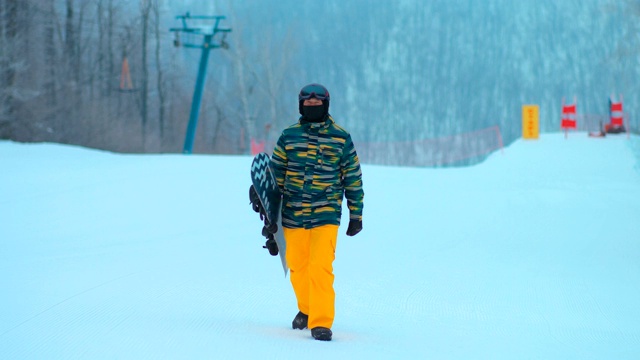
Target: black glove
x,y
355,226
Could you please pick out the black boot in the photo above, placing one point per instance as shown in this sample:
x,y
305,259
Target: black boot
x,y
321,333
300,321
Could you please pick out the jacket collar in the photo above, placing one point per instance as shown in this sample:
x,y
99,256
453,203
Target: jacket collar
x,y
317,125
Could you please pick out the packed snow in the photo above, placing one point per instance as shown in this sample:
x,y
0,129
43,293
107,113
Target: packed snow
x,y
534,254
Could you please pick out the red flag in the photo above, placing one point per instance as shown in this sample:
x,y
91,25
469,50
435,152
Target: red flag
x,y
568,117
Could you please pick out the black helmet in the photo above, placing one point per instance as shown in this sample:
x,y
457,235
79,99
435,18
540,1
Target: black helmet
x,y
317,91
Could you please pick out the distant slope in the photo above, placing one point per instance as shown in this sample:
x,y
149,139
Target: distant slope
x,y
531,254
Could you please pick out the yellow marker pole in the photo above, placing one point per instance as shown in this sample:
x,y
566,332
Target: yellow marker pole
x,y
530,121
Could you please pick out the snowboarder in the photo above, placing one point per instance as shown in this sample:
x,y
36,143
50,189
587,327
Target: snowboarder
x,y
315,164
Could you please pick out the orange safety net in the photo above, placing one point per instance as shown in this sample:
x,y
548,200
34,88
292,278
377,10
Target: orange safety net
x,y
257,147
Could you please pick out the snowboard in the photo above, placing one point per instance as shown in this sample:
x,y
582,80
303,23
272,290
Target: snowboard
x,y
266,199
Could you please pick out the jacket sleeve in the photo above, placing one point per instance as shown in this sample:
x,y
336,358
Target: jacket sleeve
x,y
279,162
352,180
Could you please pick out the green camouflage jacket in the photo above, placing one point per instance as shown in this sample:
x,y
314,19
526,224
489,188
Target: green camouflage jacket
x,y
315,164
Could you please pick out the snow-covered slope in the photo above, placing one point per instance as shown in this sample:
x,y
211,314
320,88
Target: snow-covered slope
x,y
532,254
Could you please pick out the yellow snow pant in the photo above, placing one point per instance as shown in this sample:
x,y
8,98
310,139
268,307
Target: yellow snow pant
x,y
310,255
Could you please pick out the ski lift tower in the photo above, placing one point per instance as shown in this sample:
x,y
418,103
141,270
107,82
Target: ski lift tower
x,y
186,36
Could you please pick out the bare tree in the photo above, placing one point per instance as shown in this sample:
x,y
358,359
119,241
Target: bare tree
x,y
246,82
145,11
261,73
101,53
51,59
70,41
8,63
159,72
110,45
275,63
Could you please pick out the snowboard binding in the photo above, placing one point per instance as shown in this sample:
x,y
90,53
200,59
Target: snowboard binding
x,y
269,229
255,202
257,207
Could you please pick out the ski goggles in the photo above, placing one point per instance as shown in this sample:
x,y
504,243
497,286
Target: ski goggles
x,y
313,90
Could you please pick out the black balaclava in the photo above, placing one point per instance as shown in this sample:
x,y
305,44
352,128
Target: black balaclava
x,y
315,113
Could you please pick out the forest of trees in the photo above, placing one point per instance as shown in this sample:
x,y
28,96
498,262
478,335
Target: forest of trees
x,y
61,63
398,71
